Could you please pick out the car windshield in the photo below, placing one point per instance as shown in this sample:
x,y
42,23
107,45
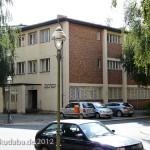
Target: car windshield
x,y
99,105
95,129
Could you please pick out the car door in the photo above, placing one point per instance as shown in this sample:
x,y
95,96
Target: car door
x,y
69,110
71,139
48,136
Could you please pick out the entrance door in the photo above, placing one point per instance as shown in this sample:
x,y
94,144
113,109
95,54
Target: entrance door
x,y
32,99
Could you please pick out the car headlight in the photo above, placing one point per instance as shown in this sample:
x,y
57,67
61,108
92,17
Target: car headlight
x,y
121,148
101,111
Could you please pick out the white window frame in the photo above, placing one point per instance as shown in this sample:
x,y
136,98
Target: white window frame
x,y
22,40
21,67
32,66
45,65
45,35
32,38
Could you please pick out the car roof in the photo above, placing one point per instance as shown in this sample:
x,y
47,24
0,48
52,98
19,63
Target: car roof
x,y
116,102
77,121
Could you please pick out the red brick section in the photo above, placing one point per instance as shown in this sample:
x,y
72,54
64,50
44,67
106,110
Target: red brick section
x,y
114,50
114,77
84,52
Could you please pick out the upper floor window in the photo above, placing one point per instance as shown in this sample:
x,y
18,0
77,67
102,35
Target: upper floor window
x,y
45,65
21,42
32,66
114,38
20,67
115,65
45,35
32,38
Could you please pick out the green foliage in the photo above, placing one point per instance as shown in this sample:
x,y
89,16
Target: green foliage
x,y
147,108
138,39
8,42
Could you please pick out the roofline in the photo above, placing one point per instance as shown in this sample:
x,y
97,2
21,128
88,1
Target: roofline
x,y
71,21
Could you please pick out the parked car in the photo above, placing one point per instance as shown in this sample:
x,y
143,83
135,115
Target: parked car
x,y
83,134
85,110
120,109
101,110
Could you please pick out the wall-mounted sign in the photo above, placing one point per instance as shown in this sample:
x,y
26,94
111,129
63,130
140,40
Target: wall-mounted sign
x,y
49,85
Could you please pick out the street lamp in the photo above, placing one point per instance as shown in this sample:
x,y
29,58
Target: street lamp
x,y
58,37
9,80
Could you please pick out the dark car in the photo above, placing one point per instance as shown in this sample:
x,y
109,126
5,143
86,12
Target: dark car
x,y
83,134
120,109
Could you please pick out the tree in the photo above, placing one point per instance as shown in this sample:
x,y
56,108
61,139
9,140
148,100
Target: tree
x,y
136,45
8,42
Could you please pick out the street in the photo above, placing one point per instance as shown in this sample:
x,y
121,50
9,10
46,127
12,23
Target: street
x,y
21,135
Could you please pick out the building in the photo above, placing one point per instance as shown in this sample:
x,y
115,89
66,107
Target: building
x,y
90,68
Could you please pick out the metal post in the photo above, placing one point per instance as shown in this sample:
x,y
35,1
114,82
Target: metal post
x,y
58,102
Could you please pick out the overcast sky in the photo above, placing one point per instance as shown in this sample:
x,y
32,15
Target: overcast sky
x,y
95,11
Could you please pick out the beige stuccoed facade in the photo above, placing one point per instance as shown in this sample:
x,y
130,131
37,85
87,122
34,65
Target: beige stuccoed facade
x,y
44,83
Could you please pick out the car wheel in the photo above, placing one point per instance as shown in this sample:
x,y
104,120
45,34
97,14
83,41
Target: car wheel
x,y
97,115
62,116
119,113
81,116
43,148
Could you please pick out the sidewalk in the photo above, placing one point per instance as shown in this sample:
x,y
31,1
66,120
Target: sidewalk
x,y
46,118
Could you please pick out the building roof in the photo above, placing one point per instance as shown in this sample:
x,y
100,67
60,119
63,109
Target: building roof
x,y
25,28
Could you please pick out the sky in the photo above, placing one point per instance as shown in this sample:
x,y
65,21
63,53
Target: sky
x,y
30,12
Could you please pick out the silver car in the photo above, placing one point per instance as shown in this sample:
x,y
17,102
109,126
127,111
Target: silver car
x,y
85,110
120,109
101,110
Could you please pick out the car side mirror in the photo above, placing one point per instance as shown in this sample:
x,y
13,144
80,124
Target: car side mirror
x,y
79,136
113,131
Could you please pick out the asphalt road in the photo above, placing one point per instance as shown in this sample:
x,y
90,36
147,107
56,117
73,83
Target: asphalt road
x,y
21,135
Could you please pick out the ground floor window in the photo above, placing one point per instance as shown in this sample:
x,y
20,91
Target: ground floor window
x,y
85,93
138,93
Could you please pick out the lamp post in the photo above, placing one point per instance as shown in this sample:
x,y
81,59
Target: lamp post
x,y
9,80
58,37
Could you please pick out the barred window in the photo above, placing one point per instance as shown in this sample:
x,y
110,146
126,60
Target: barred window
x,y
114,38
115,65
85,93
114,93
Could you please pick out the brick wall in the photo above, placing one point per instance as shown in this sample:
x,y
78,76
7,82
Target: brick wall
x,y
84,52
114,77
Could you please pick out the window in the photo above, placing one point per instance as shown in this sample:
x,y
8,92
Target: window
x,y
114,38
51,130
20,67
21,41
45,65
115,65
98,63
45,35
98,36
32,38
32,66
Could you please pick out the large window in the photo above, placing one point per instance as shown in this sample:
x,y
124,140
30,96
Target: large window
x,y
45,65
32,38
21,41
32,66
21,68
115,65
45,35
114,38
